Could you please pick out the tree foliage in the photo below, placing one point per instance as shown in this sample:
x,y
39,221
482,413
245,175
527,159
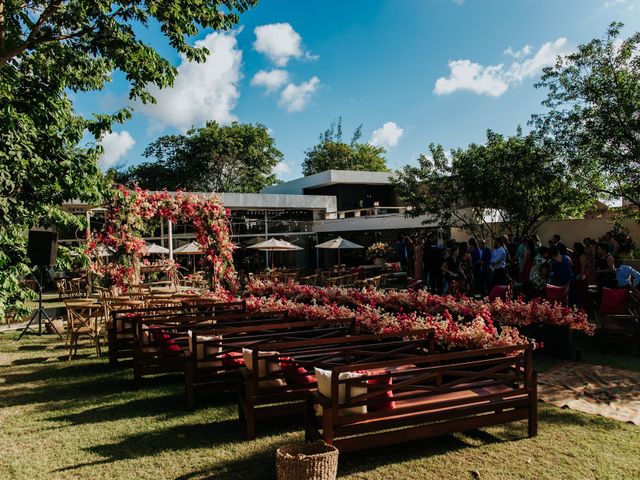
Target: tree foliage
x,y
52,47
594,113
332,153
216,158
514,180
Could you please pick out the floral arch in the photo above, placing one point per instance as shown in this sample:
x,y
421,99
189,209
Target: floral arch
x,y
132,213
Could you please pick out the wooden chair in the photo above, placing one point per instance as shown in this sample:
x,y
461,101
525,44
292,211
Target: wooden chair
x,y
83,319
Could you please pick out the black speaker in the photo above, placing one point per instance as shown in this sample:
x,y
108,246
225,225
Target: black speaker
x,y
43,248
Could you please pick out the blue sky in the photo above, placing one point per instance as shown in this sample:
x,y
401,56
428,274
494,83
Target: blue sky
x,y
411,71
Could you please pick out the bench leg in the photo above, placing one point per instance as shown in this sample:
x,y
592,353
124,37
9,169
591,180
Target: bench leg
x,y
533,407
246,411
327,426
308,418
113,357
188,385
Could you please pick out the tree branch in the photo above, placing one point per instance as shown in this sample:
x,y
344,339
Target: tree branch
x,y
31,40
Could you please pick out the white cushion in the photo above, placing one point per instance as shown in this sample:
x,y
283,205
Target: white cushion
x,y
210,349
248,361
323,377
146,338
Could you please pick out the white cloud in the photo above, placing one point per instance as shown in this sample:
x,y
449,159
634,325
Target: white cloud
x,y
613,3
459,2
524,52
282,168
271,80
202,91
279,42
295,98
494,80
467,75
115,145
387,136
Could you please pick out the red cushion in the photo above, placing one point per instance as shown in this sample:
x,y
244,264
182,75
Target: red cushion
x,y
554,293
499,291
378,403
170,346
294,373
166,343
614,301
232,360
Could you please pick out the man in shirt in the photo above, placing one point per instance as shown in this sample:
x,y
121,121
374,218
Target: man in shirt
x,y
627,275
498,263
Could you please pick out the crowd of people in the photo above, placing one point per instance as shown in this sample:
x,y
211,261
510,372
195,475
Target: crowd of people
x,y
475,268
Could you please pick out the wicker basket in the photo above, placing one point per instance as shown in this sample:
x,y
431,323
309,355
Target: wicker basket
x,y
312,461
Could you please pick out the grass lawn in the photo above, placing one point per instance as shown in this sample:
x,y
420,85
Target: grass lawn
x,y
79,419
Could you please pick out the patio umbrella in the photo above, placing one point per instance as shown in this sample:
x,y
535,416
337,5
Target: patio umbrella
x,y
275,245
193,248
339,244
104,251
151,248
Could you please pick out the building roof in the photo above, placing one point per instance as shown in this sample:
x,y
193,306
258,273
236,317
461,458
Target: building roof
x,y
330,177
254,201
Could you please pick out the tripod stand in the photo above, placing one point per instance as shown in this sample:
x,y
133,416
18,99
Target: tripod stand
x,y
39,313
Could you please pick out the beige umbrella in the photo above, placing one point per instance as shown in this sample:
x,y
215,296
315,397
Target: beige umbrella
x,y
193,248
151,248
104,251
339,244
275,245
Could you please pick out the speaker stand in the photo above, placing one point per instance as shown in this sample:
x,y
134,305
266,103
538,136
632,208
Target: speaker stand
x,y
39,313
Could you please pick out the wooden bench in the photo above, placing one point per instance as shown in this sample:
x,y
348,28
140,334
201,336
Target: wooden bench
x,y
622,328
160,344
121,332
268,392
211,351
396,401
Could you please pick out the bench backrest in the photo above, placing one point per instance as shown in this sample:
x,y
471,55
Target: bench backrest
x,y
212,344
441,380
329,352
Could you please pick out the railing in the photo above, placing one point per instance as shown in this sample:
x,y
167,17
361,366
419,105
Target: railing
x,y
366,212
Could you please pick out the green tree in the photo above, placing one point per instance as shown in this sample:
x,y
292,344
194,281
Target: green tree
x,y
515,180
332,153
594,113
235,158
47,49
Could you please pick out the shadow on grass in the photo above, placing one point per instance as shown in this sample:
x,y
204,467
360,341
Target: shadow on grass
x,y
169,405
29,361
370,459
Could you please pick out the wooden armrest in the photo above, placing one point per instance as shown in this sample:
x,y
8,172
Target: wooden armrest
x,y
245,372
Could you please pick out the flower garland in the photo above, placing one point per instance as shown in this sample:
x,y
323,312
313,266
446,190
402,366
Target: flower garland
x,y
132,213
515,313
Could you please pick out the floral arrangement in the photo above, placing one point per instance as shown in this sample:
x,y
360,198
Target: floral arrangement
x,y
132,213
516,313
378,250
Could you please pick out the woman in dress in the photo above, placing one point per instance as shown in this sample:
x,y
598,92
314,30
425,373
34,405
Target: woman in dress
x,y
580,272
451,270
590,252
539,272
466,265
605,268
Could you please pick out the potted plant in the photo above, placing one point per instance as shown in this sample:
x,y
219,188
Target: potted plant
x,y
378,252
